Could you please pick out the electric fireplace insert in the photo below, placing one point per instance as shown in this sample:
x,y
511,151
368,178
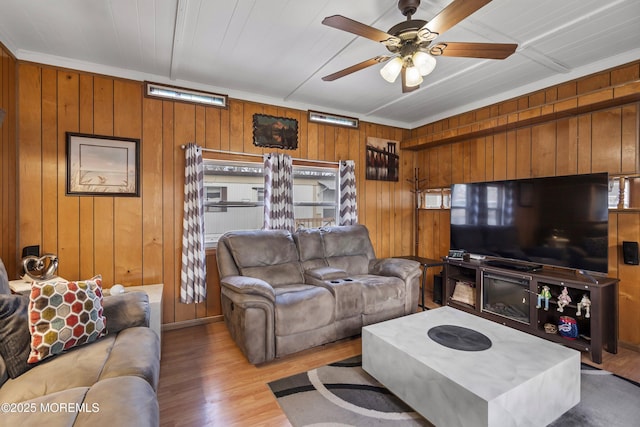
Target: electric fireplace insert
x,y
506,296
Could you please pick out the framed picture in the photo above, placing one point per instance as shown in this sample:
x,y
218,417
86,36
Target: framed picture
x,y
102,165
275,132
382,161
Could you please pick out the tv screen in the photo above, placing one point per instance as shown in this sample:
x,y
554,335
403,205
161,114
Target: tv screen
x,y
560,221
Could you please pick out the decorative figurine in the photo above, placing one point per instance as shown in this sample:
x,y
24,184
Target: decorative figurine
x,y
568,327
546,294
42,268
563,299
585,303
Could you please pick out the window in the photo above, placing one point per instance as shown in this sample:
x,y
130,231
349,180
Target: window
x,y
234,197
315,196
180,94
214,196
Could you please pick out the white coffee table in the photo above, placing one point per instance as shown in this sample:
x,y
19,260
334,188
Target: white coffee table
x,y
521,380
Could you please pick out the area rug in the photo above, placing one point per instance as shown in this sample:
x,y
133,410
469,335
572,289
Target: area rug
x,y
343,394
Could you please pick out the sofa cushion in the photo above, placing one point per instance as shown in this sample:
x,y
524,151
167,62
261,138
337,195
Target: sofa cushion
x,y
347,240
301,308
348,248
63,315
126,311
257,248
14,334
132,352
46,410
123,402
4,375
269,255
310,247
380,293
78,367
4,280
129,358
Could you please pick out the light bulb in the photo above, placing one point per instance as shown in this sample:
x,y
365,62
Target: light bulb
x,y
425,62
413,77
391,70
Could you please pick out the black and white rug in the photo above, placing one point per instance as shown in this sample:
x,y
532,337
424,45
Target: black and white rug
x,y
343,394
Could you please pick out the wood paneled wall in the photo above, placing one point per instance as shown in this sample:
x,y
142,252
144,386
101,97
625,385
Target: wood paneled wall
x,y
138,240
8,161
598,141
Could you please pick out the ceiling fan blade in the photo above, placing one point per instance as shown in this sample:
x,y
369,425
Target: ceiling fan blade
x,y
454,13
405,88
474,50
349,25
356,67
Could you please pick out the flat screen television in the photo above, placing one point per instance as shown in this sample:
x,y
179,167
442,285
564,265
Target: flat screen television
x,y
559,221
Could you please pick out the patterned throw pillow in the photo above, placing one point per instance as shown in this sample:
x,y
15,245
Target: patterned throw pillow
x,y
63,315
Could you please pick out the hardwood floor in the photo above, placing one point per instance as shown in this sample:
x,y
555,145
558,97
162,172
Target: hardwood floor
x,y
206,381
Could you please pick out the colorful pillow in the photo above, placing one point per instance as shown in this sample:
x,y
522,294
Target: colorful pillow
x,y
63,315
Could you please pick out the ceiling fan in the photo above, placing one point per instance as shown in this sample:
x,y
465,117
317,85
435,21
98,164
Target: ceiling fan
x,y
412,55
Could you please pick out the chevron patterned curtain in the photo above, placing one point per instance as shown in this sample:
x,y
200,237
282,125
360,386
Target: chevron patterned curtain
x,y
278,192
193,277
348,205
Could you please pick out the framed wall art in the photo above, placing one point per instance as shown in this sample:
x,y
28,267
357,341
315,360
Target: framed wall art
x,y
275,132
102,165
382,161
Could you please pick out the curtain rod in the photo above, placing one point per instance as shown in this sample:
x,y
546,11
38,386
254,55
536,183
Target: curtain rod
x,y
211,150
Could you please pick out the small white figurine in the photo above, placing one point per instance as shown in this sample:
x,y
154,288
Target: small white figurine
x,y
546,294
563,299
585,303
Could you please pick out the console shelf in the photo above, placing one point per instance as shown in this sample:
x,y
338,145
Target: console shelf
x,y
509,297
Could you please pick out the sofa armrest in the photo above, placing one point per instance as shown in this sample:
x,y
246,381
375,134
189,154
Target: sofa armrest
x,y
126,311
398,267
249,285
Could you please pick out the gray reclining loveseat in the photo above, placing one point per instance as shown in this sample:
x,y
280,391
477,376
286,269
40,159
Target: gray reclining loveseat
x,y
284,292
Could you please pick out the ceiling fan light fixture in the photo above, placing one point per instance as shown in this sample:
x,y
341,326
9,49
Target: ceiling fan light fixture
x,y
413,77
391,70
425,62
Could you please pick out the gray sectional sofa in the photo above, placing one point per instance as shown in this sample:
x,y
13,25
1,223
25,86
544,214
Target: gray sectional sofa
x,y
285,292
110,382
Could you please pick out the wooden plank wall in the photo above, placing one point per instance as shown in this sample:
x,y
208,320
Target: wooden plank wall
x,y
8,162
598,141
138,240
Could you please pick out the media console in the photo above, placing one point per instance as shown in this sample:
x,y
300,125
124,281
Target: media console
x,y
504,294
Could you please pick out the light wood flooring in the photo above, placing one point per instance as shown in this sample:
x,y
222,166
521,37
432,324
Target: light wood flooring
x,y
206,381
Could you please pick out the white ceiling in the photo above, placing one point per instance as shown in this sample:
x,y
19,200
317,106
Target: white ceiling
x,y
276,51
